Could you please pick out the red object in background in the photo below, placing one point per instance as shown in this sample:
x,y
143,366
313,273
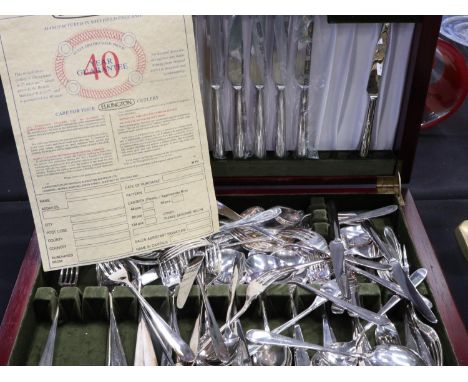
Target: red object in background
x,y
449,84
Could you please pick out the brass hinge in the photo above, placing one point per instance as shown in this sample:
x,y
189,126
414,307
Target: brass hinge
x,y
390,185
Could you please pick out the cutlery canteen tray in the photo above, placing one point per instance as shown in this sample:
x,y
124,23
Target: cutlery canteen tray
x,y
350,178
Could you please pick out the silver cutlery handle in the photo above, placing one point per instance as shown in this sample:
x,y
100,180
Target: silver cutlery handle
x,y
416,278
260,144
328,334
218,136
215,333
280,145
164,331
267,338
239,125
318,301
368,127
387,210
162,350
361,312
410,290
47,356
115,353
144,350
301,358
301,149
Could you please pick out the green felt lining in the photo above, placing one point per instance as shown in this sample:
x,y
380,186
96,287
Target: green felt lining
x,y
331,163
82,332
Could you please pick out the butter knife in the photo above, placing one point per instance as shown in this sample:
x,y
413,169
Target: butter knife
x,y
235,75
280,58
337,252
302,72
378,212
373,87
188,279
361,312
257,75
214,73
399,275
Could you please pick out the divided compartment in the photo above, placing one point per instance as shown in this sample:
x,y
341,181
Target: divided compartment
x,y
82,331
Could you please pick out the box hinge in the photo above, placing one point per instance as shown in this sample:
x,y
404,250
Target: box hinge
x,y
390,185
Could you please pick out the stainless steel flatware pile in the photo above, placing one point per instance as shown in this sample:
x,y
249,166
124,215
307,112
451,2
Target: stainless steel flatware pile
x,y
296,258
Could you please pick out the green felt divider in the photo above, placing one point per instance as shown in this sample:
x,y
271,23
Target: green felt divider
x,y
45,303
95,304
319,216
82,341
322,229
70,304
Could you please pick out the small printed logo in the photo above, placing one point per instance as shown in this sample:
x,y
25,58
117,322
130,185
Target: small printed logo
x,y
100,64
117,104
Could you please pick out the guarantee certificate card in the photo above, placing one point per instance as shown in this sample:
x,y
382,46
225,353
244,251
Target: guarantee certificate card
x,y
108,121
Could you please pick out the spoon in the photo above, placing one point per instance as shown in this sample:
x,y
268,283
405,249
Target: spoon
x,y
269,355
259,263
382,355
289,216
228,258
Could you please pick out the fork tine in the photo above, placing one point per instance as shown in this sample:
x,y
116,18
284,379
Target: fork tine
x,y
105,268
69,275
60,280
77,271
113,266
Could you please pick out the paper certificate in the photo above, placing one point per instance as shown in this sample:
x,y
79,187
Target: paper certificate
x,y
108,122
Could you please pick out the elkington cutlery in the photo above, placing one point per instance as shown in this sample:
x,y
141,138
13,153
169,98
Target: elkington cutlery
x,y
235,74
373,87
214,73
257,74
299,261
302,72
280,57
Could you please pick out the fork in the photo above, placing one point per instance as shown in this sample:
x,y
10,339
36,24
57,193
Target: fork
x,y
116,272
68,277
115,355
257,287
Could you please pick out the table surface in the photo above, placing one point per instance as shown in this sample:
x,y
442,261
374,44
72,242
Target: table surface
x,y
439,185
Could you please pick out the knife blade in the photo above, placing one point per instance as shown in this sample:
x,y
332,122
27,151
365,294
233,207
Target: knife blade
x,y
387,210
373,87
235,75
257,75
188,279
337,251
416,278
257,51
281,36
302,72
399,275
214,73
361,312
